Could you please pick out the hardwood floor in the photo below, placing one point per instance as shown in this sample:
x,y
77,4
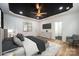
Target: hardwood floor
x,y
66,50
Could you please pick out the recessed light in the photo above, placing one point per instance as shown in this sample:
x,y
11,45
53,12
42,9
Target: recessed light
x,y
21,12
60,8
67,8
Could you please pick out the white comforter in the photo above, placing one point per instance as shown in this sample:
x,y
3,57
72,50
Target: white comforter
x,y
30,47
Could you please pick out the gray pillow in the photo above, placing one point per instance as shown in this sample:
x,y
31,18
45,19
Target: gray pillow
x,y
20,36
17,41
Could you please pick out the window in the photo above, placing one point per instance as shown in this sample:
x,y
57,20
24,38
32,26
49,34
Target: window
x,y
27,27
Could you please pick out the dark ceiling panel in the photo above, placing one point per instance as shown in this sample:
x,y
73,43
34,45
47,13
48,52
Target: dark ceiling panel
x,y
28,8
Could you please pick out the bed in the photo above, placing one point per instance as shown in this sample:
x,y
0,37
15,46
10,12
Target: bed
x,y
10,48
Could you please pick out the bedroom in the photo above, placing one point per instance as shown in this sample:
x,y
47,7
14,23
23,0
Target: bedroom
x,y
63,25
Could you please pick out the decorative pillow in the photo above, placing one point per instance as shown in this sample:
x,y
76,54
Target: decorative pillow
x,y
20,36
17,41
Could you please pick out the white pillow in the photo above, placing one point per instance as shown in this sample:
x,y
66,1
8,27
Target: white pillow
x,y
17,41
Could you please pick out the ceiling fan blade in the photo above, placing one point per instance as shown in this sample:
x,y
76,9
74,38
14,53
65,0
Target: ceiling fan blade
x,y
37,6
38,15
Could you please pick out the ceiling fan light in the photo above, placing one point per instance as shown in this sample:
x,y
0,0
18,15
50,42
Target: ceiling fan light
x,y
37,17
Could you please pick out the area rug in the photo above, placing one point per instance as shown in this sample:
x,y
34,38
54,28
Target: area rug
x,y
52,50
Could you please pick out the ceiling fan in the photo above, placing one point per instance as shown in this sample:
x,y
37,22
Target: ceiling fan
x,y
39,8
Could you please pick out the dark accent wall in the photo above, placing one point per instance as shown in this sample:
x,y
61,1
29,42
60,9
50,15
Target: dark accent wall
x,y
2,19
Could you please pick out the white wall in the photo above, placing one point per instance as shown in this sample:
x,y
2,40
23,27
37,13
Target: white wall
x,y
16,23
70,23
